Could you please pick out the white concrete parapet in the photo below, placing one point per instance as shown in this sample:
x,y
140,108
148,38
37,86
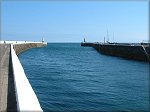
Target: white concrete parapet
x,y
25,95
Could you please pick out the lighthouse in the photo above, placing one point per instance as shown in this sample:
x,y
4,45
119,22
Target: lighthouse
x,y
84,40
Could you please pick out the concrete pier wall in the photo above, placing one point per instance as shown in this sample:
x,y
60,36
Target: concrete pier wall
x,y
19,48
26,98
126,50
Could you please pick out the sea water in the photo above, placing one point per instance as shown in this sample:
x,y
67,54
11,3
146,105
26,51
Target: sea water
x,y
67,77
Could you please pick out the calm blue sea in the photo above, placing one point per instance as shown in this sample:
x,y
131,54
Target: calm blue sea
x,y
67,77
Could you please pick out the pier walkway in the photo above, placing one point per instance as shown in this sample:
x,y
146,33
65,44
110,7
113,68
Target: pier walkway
x,y
4,71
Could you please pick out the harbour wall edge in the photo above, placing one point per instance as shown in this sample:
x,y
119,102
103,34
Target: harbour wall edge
x,y
129,51
26,98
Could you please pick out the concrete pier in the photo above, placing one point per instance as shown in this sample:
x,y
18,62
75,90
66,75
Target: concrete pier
x,y
134,51
8,98
4,72
19,48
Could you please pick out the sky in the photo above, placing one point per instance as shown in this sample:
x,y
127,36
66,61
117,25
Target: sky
x,y
72,21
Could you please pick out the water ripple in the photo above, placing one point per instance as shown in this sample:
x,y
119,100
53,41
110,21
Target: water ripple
x,y
70,78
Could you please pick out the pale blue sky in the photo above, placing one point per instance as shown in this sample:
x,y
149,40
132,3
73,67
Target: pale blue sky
x,y
71,21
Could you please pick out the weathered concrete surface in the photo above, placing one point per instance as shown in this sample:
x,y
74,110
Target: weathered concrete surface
x,y
130,51
4,71
19,48
125,51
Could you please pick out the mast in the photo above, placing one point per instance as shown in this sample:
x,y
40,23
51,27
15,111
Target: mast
x,y
107,36
104,39
113,37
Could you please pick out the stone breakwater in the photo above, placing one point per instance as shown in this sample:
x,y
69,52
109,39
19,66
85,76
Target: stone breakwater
x,y
134,51
19,48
